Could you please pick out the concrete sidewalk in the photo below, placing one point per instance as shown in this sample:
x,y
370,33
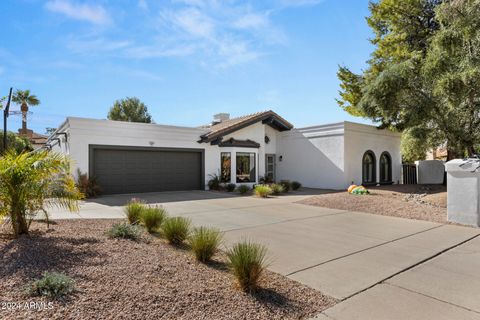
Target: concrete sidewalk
x,y
367,261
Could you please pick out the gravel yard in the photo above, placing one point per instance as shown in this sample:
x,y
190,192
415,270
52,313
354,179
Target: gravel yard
x,y
419,202
122,279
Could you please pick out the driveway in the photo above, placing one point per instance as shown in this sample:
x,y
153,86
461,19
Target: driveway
x,y
379,267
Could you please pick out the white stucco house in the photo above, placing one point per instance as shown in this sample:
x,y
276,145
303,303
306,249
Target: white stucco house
x,y
130,157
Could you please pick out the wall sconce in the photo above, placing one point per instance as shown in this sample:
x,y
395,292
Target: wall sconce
x,y
280,158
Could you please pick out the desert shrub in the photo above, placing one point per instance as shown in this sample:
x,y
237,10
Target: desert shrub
x,y
87,185
247,262
133,211
296,185
52,285
287,185
262,190
205,242
276,188
243,189
125,231
176,229
214,182
230,187
152,218
265,180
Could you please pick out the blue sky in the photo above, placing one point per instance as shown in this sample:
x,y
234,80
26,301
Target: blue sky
x,y
186,59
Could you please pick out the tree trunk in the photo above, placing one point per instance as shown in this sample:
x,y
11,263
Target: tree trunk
x,y
19,223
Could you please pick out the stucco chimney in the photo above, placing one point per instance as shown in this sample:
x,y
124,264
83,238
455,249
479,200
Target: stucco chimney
x,y
219,117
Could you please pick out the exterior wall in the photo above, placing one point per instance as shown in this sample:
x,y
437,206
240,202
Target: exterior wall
x,y
255,132
430,171
85,132
314,156
358,139
326,156
463,192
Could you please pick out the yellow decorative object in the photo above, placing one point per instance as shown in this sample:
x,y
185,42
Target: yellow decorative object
x,y
350,189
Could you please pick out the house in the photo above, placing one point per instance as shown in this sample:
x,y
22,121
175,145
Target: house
x,y
130,157
37,140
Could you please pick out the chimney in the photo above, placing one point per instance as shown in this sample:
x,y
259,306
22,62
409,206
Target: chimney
x,y
219,117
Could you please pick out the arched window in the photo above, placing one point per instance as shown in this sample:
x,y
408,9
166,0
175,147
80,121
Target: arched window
x,y
368,168
385,168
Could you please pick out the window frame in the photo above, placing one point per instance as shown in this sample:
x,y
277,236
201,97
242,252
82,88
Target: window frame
x,y
240,153
221,167
389,177
374,168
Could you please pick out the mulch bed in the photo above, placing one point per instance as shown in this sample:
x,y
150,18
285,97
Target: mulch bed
x,y
405,201
122,279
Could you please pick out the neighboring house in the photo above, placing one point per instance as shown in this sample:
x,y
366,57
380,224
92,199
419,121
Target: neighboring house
x,y
128,157
37,140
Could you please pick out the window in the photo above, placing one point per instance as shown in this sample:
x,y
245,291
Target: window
x,y
368,168
225,167
385,168
245,167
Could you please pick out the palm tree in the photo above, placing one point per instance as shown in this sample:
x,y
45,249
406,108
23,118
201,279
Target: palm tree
x,y
32,182
25,99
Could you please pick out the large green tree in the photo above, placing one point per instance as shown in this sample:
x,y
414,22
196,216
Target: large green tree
x,y
131,110
423,75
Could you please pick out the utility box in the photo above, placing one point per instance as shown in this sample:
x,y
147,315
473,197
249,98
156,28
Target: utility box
x,y
463,191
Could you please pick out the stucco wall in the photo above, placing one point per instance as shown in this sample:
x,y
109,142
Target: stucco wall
x,y
358,139
430,171
83,132
313,156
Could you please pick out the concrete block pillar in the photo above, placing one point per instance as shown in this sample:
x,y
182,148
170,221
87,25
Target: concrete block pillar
x,y
463,192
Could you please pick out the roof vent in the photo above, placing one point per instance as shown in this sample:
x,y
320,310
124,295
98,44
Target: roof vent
x,y
219,117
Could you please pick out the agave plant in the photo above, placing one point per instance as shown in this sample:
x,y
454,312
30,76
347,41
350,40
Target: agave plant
x,y
31,183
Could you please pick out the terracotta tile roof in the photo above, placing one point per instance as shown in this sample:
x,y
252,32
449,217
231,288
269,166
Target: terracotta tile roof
x,y
227,126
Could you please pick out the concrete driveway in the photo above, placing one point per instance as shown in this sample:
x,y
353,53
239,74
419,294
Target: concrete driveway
x,y
379,267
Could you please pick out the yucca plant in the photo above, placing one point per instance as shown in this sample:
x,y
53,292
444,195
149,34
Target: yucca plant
x,y
133,211
33,182
153,217
52,285
204,242
276,188
262,190
247,261
176,229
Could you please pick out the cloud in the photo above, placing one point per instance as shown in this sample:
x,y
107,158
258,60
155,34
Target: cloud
x,y
252,21
95,14
191,21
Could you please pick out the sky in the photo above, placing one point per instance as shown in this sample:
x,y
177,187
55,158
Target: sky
x,y
185,59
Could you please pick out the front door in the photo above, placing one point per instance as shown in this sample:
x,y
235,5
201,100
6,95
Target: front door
x,y
270,167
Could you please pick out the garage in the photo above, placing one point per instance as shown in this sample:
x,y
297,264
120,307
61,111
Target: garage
x,y
135,170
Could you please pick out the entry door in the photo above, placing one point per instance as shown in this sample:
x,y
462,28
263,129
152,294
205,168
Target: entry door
x,y
270,166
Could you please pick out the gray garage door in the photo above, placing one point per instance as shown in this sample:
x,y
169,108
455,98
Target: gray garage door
x,y
133,171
